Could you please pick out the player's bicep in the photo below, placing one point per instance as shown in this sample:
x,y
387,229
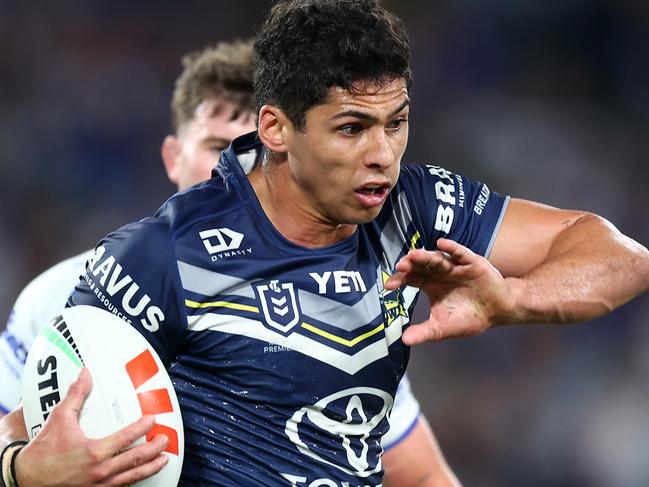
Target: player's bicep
x,y
526,235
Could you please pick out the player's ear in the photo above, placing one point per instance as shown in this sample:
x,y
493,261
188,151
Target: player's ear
x,y
170,150
272,128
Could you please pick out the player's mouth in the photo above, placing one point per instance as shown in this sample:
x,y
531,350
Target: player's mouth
x,y
372,194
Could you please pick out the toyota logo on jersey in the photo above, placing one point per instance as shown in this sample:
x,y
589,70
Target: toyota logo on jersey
x,y
353,421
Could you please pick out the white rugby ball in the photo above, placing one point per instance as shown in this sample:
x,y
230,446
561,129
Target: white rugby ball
x,y
128,378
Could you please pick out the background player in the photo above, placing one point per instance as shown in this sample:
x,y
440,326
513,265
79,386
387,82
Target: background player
x,y
212,104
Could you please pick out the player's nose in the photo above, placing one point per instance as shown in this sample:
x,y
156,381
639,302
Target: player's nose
x,y
380,153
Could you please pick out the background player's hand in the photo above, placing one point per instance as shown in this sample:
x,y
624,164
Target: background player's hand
x,y
62,455
466,293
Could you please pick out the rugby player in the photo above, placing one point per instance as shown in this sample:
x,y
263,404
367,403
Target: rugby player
x,y
325,218
212,104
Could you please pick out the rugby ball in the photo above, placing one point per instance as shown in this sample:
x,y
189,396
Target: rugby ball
x,y
129,380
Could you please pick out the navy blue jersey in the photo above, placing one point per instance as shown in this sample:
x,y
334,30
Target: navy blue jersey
x,y
285,359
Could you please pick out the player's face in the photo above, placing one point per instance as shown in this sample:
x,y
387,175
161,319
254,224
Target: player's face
x,y
347,159
198,145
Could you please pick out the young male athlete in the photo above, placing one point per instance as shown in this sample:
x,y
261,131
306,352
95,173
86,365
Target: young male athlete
x,y
212,104
320,248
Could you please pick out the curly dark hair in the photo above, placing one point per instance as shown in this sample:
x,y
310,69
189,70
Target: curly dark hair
x,y
220,71
306,47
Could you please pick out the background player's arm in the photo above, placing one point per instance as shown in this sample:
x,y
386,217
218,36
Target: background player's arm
x,y
412,456
9,391
417,461
40,301
14,344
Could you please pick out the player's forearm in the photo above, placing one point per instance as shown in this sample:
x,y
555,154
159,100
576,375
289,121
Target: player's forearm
x,y
590,270
12,428
13,437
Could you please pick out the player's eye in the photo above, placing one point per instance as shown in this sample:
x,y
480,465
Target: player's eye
x,y
396,124
350,128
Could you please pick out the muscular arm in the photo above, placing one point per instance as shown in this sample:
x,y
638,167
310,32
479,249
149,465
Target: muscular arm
x,y
547,265
566,266
417,461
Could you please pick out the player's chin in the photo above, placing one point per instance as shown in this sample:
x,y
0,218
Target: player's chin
x,y
364,215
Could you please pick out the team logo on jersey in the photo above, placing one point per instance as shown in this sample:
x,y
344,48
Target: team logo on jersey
x,y
279,305
392,301
220,239
353,421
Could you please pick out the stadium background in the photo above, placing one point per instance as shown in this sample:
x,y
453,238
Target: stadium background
x,y
543,100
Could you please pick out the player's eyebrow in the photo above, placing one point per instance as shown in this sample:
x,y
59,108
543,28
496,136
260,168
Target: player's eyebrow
x,y
367,116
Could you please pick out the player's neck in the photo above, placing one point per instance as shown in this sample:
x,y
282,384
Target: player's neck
x,y
289,210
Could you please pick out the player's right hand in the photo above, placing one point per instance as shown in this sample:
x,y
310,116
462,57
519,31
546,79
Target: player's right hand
x,y
62,455
466,293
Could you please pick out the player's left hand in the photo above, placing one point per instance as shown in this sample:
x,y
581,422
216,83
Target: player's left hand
x,y
466,293
61,454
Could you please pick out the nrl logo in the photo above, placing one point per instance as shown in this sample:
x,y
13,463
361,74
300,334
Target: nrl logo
x,y
279,305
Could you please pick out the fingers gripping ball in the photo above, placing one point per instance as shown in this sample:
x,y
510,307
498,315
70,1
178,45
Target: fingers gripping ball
x,y
129,381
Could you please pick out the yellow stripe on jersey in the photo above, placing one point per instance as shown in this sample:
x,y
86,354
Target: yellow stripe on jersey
x,y
330,336
221,304
343,341
414,239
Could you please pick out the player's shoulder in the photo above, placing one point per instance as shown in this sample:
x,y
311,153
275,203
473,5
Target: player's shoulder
x,y
202,201
156,240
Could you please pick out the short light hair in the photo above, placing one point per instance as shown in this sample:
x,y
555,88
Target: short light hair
x,y
221,71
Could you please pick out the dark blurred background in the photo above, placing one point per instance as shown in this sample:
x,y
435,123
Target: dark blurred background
x,y
543,100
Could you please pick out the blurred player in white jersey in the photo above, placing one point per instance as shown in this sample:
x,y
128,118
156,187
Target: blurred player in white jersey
x,y
212,104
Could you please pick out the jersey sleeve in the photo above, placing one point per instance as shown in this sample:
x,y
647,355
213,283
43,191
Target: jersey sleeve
x,y
41,300
404,416
133,274
452,206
